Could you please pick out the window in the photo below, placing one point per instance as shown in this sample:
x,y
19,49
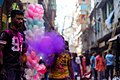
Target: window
x,y
104,12
110,6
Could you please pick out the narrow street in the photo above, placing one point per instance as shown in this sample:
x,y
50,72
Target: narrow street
x,y
59,39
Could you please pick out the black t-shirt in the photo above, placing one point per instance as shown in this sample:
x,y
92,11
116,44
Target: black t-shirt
x,y
12,42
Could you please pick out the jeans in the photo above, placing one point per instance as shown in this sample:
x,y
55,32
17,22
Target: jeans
x,y
100,75
13,74
94,73
109,72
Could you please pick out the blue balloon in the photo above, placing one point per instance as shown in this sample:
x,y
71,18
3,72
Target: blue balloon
x,y
30,27
35,20
30,21
40,24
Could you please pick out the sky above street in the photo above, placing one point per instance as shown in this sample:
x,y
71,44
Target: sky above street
x,y
65,8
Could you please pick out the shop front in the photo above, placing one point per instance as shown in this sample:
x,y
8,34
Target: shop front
x,y
116,46
104,44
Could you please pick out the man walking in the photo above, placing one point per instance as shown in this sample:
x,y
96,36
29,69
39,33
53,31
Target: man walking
x,y
11,41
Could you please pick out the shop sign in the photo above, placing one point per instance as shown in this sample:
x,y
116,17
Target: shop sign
x,y
102,44
1,2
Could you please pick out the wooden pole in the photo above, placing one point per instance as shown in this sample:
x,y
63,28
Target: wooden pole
x,y
113,34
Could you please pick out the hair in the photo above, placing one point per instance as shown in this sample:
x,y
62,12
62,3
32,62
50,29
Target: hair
x,y
109,51
66,45
16,12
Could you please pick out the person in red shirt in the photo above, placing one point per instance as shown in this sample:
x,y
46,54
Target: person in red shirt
x,y
100,66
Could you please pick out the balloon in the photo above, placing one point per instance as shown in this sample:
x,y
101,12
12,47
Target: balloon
x,y
34,63
31,7
37,58
27,15
30,13
37,77
41,69
33,55
30,27
37,10
35,27
36,21
29,59
29,34
46,45
30,21
40,17
40,32
36,14
29,74
40,24
37,6
40,7
57,38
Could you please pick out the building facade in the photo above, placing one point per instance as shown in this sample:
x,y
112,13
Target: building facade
x,y
104,27
84,8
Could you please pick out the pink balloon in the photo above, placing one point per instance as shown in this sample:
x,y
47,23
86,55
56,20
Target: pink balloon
x,y
38,5
34,63
33,55
29,59
41,69
37,58
30,13
40,17
27,15
31,7
37,77
41,7
37,10
36,15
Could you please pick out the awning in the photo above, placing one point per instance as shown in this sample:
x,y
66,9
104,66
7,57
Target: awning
x,y
114,38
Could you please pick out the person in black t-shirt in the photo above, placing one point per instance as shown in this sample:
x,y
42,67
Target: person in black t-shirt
x,y
11,41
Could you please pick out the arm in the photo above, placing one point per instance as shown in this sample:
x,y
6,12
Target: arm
x,y
3,42
1,55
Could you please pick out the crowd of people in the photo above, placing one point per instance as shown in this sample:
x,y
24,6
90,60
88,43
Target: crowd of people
x,y
66,66
95,66
102,65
